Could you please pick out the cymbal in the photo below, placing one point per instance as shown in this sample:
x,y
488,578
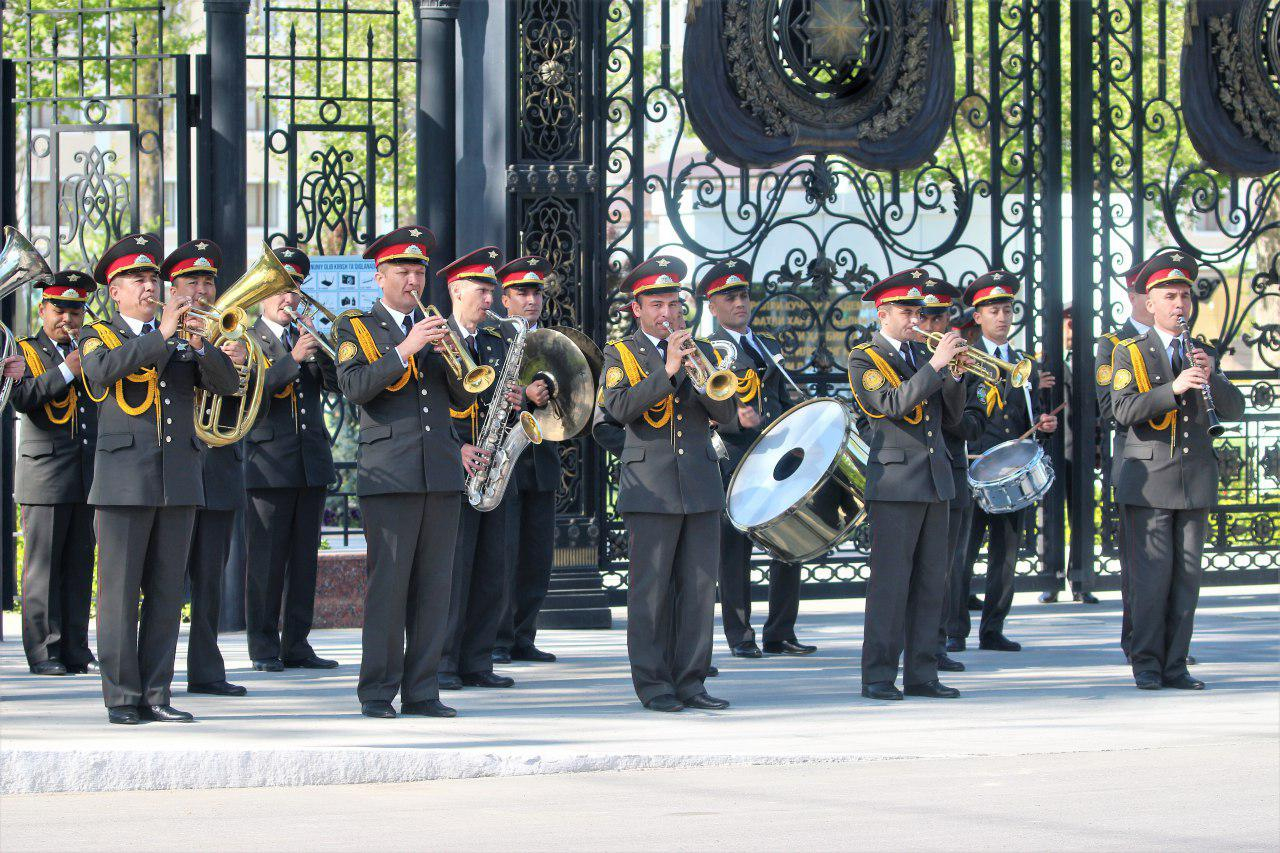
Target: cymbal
x,y
595,358
552,355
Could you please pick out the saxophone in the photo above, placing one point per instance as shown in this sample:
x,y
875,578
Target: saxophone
x,y
502,439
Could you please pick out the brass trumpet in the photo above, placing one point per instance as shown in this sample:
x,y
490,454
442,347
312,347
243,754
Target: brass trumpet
x,y
475,378
304,320
982,364
716,384
212,320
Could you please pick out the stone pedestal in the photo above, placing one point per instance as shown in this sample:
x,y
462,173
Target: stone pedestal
x,y
340,580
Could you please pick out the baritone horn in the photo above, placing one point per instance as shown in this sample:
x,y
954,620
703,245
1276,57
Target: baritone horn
x,y
226,321
475,378
982,364
19,263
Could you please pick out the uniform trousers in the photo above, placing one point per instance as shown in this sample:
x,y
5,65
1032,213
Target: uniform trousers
x,y
735,591
57,582
282,535
531,521
478,602
959,519
210,546
1005,534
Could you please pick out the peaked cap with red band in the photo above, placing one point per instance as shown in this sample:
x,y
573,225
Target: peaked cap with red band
x,y
939,296
528,271
135,252
994,286
659,274
295,261
410,243
1132,273
1166,268
71,286
903,288
480,265
724,276
195,256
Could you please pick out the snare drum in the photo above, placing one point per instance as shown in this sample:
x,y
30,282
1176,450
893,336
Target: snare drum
x,y
798,490
1010,476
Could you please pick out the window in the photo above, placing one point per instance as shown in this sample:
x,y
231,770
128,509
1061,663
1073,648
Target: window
x,y
43,205
255,196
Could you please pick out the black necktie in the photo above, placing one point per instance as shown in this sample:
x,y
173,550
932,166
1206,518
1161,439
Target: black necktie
x,y
907,357
289,338
662,348
407,324
473,349
754,351
1177,360
148,328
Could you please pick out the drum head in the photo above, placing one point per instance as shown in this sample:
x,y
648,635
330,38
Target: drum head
x,y
1004,460
792,456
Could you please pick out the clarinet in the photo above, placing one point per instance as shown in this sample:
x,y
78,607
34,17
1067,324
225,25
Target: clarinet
x,y
1188,347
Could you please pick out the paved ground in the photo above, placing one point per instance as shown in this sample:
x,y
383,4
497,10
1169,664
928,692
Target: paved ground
x,y
1065,801
1069,691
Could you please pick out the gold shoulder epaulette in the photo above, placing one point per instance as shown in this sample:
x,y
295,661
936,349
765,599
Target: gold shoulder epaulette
x,y
864,345
1128,341
493,330
351,312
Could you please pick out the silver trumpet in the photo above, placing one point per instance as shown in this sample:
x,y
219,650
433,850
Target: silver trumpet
x,y
304,320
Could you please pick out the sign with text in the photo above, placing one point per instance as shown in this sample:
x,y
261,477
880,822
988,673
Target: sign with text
x,y
340,283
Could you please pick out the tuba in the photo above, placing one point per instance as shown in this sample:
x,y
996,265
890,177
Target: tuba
x,y
226,320
19,263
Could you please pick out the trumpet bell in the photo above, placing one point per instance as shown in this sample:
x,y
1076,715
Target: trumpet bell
x,y
1021,373
478,378
721,385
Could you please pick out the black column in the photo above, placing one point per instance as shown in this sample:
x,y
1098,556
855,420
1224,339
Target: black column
x,y
223,153
9,314
436,130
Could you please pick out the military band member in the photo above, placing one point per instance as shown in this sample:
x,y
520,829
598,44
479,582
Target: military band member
x,y
54,471
935,316
191,271
996,414
288,465
481,565
1169,477
910,397
763,395
1138,324
148,481
531,511
409,477
670,492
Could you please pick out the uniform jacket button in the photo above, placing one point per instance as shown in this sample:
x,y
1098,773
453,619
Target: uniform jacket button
x,y
680,451
168,438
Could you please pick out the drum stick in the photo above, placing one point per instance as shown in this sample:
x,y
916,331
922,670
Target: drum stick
x,y
1061,406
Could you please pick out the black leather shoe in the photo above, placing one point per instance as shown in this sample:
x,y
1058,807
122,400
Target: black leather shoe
x,y
1191,661
788,647
217,688
500,656
378,709
955,644
85,668
123,715
704,702
998,643
666,703
427,708
881,690
1084,598
949,664
533,654
53,666
1147,680
487,679
1048,597
931,690
269,665
165,714
975,603
449,681
1184,682
748,649
713,671
311,662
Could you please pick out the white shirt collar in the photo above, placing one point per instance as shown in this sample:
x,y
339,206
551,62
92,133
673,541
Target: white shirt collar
x,y
652,339
1141,328
992,346
1165,337
276,328
893,342
462,330
398,316
136,325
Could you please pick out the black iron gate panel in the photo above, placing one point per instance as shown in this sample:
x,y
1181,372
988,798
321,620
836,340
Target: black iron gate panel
x,y
331,152
1155,188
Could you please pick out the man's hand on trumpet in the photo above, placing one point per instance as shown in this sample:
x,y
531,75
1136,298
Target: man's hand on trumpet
x,y
304,347
949,346
677,349
427,331
173,316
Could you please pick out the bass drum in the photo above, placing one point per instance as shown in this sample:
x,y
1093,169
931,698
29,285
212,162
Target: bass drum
x,y
798,491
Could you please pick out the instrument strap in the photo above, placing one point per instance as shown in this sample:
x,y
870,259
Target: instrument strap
x,y
371,353
67,404
659,414
145,375
891,376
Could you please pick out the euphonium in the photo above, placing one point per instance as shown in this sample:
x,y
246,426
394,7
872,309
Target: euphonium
x,y
19,264
474,378
226,321
503,440
982,364
716,384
